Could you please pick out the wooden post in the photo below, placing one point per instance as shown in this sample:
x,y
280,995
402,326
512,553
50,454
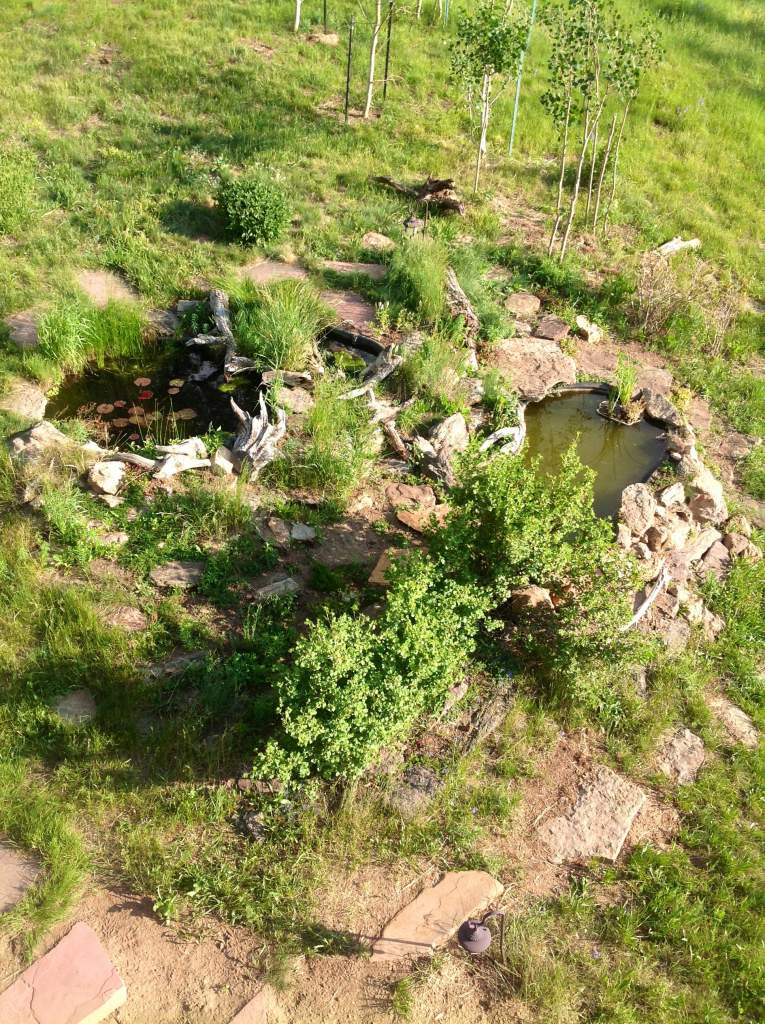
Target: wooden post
x,y
391,4
325,18
351,28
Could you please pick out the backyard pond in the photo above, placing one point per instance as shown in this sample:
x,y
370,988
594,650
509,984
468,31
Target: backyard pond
x,y
620,455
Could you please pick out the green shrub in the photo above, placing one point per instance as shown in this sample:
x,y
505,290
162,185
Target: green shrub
x,y
19,200
417,277
255,208
356,685
278,326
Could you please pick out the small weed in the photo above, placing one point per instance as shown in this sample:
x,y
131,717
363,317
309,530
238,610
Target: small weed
x,y
753,472
402,998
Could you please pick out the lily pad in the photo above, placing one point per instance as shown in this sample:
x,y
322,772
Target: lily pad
x,y
120,422
134,437
137,410
120,403
104,409
185,414
173,391
142,382
144,395
176,382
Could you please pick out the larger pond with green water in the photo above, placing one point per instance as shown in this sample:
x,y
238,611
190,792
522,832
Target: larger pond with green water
x,y
620,455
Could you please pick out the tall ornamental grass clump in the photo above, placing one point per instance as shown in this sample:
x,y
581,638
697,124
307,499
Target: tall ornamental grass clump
x,y
278,326
73,334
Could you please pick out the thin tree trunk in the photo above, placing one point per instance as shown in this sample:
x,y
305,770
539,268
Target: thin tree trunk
x,y
603,167
419,9
593,160
373,57
559,205
615,165
298,9
589,127
484,128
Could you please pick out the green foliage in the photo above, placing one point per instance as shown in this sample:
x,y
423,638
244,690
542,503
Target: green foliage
x,y
501,403
73,334
433,374
417,277
626,378
754,472
19,199
255,208
278,326
357,684
64,511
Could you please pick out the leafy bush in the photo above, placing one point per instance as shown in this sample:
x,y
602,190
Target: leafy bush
x,y
255,208
356,684
278,326
417,277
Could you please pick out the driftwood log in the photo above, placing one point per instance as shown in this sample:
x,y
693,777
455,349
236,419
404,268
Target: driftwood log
x,y
677,244
257,439
662,582
233,363
436,193
460,305
512,436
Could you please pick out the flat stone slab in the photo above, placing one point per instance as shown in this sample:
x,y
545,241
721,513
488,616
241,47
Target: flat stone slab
x,y
553,328
599,822
75,983
374,241
257,1010
22,328
351,308
265,271
533,365
375,271
524,305
377,577
433,917
24,399
681,755
77,707
173,666
737,723
18,871
103,287
178,574
125,617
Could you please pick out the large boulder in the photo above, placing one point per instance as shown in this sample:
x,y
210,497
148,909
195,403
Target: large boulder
x,y
24,399
533,366
638,508
708,503
29,445
524,305
451,435
660,409
106,477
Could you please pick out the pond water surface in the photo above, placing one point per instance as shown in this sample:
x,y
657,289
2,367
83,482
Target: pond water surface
x,y
620,455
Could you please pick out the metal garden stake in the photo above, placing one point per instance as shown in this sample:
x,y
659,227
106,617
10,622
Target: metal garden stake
x,y
351,28
391,5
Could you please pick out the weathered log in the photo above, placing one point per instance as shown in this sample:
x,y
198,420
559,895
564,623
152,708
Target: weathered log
x,y
386,363
386,418
257,438
677,244
133,460
287,378
661,583
460,305
434,192
171,465
515,435
485,719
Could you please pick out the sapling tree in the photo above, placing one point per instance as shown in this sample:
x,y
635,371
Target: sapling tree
x,y
376,26
486,56
298,11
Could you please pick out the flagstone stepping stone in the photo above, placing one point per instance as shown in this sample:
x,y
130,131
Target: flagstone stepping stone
x,y
376,271
173,666
533,365
681,755
599,822
324,38
75,983
124,617
376,242
434,916
77,707
524,305
266,271
552,328
22,328
24,399
18,871
378,577
296,400
178,574
351,308
258,1010
279,588
411,494
103,287
737,723
421,519
303,533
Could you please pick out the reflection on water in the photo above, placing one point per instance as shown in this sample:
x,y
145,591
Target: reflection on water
x,y
619,454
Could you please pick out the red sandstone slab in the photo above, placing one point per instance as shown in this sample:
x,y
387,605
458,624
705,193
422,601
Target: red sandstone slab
x,y
266,271
256,1011
75,983
434,916
376,271
351,308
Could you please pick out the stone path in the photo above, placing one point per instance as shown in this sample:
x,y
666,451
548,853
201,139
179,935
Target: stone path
x,y
375,271
178,574
22,328
738,725
75,983
103,287
266,271
681,755
433,917
77,707
18,871
599,822
351,308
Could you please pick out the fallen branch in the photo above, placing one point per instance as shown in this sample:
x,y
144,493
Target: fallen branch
x,y
516,435
435,192
257,438
677,245
386,418
133,460
171,465
460,305
661,584
232,362
386,363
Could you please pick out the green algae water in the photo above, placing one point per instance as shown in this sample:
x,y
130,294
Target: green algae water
x,y
620,455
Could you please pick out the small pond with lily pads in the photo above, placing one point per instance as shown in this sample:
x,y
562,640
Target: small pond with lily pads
x,y
620,455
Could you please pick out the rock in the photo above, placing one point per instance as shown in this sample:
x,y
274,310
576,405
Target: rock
x,y
681,756
377,577
124,617
552,328
678,531
178,574
375,242
740,524
678,566
295,400
657,538
533,366
530,599
418,787
276,531
261,1007
324,39
163,322
736,543
351,308
173,666
29,445
223,461
77,707
712,624
623,536
115,537
183,306
266,271
421,519
599,822
434,916
279,588
302,533
708,504
450,436
252,825
374,271
521,328
659,409
75,983
738,725
410,494
676,635
717,561
103,287
588,330
524,305
106,477
22,329
18,870
699,547
111,500
24,399
638,508
673,495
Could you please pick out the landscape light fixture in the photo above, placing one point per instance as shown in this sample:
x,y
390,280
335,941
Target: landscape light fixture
x,y
475,936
